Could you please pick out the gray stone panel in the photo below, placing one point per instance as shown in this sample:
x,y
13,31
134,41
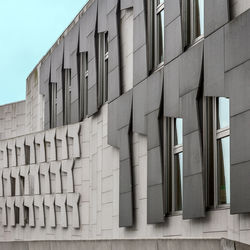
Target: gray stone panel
x,y
74,112
173,40
240,186
139,31
74,89
240,137
172,89
172,10
214,64
193,197
83,44
155,212
216,15
237,41
139,107
238,88
114,87
112,24
91,17
70,45
114,59
113,133
74,63
153,130
155,169
56,62
44,75
192,154
190,112
124,143
92,101
126,218
138,7
92,73
91,46
111,4
102,16
125,179
125,4
154,91
191,68
124,109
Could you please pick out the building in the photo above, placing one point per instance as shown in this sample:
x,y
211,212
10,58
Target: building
x,y
135,126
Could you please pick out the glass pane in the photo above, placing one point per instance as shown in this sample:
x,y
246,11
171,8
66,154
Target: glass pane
x,y
160,38
160,2
106,81
106,42
178,168
223,115
198,18
223,152
178,134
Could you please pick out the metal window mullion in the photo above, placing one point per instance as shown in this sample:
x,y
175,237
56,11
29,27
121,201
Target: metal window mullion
x,y
155,40
172,166
192,20
216,191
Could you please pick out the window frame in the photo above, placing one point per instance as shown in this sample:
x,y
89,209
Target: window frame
x,y
53,104
67,97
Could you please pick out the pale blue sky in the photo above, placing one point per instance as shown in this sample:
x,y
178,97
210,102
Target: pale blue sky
x,y
28,28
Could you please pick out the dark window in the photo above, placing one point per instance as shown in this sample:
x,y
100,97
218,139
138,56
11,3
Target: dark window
x,y
53,104
67,96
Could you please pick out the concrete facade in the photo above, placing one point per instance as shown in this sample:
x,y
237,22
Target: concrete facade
x,y
102,178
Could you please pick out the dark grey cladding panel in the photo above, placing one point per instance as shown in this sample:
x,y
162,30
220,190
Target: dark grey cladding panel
x,y
74,89
154,167
172,89
91,17
113,54
237,41
125,177
238,88
193,154
74,112
172,10
44,75
155,212
83,43
190,112
111,4
214,64
56,61
70,45
193,197
113,133
240,186
102,16
112,24
114,87
125,4
124,109
139,107
92,101
139,31
154,91
91,46
126,218
124,143
59,101
47,116
173,40
140,71
153,130
138,7
59,119
240,138
191,68
74,64
216,15
92,79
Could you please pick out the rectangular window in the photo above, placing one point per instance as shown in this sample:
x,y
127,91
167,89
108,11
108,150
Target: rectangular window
x,y
53,104
83,85
193,20
102,68
67,96
155,24
218,166
174,164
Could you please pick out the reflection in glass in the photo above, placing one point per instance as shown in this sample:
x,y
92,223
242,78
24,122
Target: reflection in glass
x,y
178,136
160,2
223,116
198,18
223,147
160,27
178,173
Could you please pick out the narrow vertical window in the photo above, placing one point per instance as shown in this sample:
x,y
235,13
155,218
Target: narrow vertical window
x,y
102,68
67,96
83,85
53,104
